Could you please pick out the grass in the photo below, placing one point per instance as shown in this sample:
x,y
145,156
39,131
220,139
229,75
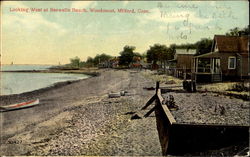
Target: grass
x,y
235,89
161,78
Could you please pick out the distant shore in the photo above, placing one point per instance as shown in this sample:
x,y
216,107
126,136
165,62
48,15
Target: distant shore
x,y
91,72
86,71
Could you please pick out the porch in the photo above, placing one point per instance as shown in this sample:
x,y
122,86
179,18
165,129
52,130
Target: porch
x,y
207,68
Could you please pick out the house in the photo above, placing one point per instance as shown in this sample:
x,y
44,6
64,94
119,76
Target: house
x,y
104,64
114,62
181,65
111,63
228,59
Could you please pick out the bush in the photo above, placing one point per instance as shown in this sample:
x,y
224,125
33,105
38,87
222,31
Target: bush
x,y
240,87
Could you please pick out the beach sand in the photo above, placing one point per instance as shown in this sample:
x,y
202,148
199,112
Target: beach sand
x,y
78,118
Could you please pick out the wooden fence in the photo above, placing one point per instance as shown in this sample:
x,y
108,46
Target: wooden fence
x,y
179,139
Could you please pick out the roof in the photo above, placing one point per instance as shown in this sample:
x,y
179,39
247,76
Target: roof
x,y
186,51
209,55
231,43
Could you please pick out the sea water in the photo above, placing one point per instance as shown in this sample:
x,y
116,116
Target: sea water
x,y
20,82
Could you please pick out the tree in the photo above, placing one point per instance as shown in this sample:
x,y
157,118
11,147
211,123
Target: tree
x,y
172,51
233,32
186,46
246,30
101,58
160,53
126,56
89,62
75,62
82,64
204,46
237,31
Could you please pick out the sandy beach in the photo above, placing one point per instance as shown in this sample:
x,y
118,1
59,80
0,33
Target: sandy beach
x,y
78,118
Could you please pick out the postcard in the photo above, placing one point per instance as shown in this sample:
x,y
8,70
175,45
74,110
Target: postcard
x,y
124,78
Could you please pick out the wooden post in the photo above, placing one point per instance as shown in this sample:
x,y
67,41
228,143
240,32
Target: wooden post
x,y
151,100
149,112
157,87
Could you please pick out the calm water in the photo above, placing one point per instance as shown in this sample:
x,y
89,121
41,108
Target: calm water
x,y
24,67
16,83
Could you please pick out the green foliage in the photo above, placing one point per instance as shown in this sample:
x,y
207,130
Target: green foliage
x,y
159,52
101,58
185,46
237,31
75,62
91,62
126,56
155,53
136,54
233,32
203,46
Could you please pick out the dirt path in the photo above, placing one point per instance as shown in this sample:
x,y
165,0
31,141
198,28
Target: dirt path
x,y
79,119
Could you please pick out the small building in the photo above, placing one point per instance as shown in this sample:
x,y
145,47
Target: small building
x,y
228,59
181,65
111,63
114,62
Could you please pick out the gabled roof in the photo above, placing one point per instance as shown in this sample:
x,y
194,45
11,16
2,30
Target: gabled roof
x,y
186,51
209,55
230,43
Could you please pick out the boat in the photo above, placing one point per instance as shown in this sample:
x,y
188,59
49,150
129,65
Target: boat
x,y
19,105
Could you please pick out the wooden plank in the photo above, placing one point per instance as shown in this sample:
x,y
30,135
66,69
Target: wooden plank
x,y
149,102
165,108
149,112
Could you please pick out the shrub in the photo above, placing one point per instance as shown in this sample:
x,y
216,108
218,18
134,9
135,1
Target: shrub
x,y
239,87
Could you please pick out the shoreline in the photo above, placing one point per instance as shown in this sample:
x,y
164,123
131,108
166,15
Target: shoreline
x,y
79,118
52,86
65,124
91,73
42,90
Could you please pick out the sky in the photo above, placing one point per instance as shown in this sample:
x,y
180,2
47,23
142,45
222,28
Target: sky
x,y
48,37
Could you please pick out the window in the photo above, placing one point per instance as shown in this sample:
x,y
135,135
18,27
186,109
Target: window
x,y
231,62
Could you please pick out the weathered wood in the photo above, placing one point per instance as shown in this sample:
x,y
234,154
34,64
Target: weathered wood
x,y
165,108
149,112
181,138
149,102
157,87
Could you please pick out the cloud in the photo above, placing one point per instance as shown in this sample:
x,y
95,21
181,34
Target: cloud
x,y
83,4
30,21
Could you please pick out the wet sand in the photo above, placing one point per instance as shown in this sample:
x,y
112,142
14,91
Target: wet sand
x,y
78,118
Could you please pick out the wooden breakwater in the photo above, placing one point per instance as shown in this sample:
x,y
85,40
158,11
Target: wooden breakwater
x,y
181,138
